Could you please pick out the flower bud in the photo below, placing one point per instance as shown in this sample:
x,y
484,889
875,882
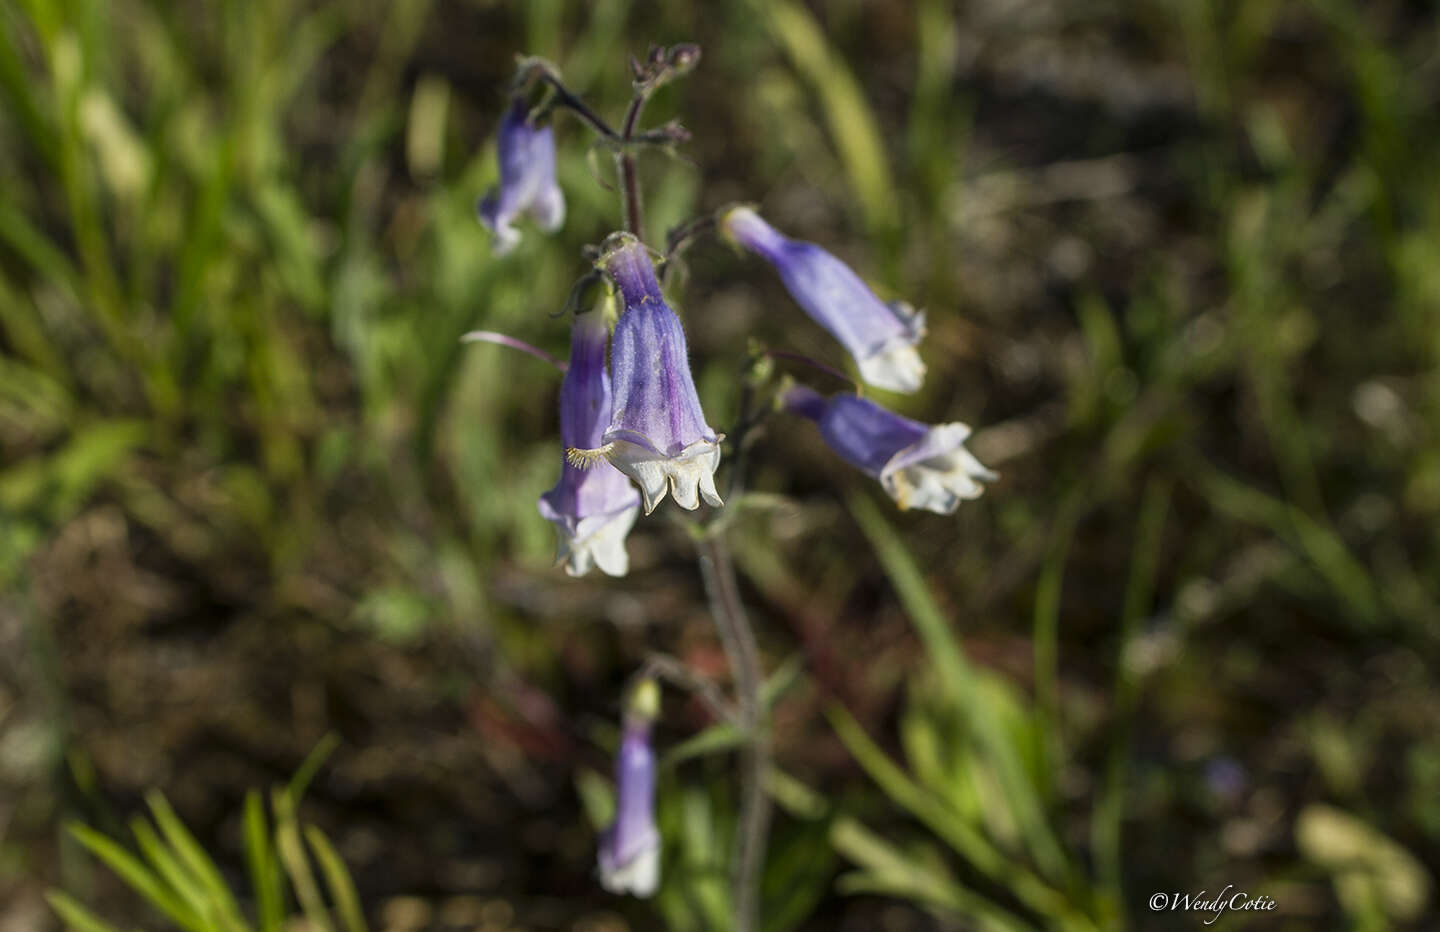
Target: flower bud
x,y
527,180
881,337
629,855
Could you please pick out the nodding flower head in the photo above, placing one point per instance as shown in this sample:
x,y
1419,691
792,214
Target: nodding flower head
x,y
880,336
527,180
657,434
629,856
918,465
592,509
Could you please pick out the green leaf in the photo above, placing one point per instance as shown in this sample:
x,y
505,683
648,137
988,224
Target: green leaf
x,y
137,876
853,127
297,866
308,767
193,856
264,872
890,872
956,673
74,915
337,879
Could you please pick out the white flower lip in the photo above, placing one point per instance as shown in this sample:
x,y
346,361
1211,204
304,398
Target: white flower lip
x,y
597,540
937,473
688,476
640,875
896,366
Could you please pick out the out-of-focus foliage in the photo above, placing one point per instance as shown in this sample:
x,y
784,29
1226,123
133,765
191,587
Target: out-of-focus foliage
x,y
178,878
1178,261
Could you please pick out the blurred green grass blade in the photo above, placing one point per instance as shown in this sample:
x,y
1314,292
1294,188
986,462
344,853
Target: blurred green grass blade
x,y
1106,830
597,797
184,884
74,915
24,330
852,124
194,857
1323,547
297,865
337,880
260,859
308,767
137,876
719,737
19,88
947,824
1049,745
890,872
902,790
60,483
38,251
944,651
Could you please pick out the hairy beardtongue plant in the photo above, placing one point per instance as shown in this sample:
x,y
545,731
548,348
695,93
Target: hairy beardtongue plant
x,y
639,420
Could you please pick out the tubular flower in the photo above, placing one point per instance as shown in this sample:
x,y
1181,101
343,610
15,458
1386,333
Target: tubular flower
x,y
592,509
657,434
880,336
629,856
527,180
918,465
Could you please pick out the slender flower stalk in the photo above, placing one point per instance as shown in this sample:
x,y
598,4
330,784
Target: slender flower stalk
x,y
629,855
919,465
881,337
657,435
527,184
592,509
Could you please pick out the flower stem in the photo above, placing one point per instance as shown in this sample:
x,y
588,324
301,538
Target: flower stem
x,y
723,590
625,165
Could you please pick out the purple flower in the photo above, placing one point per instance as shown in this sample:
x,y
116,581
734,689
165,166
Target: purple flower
x,y
657,435
629,856
527,180
880,336
592,509
918,465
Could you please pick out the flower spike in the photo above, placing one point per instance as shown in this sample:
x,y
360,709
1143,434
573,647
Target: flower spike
x,y
592,509
527,180
881,337
918,465
657,435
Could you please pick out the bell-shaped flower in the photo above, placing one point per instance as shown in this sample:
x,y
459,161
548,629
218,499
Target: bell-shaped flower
x,y
526,153
657,434
918,465
881,337
629,856
592,509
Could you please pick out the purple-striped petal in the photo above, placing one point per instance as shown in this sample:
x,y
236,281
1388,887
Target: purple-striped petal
x,y
592,509
657,434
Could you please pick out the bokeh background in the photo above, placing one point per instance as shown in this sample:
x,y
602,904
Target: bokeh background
x,y
1181,262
